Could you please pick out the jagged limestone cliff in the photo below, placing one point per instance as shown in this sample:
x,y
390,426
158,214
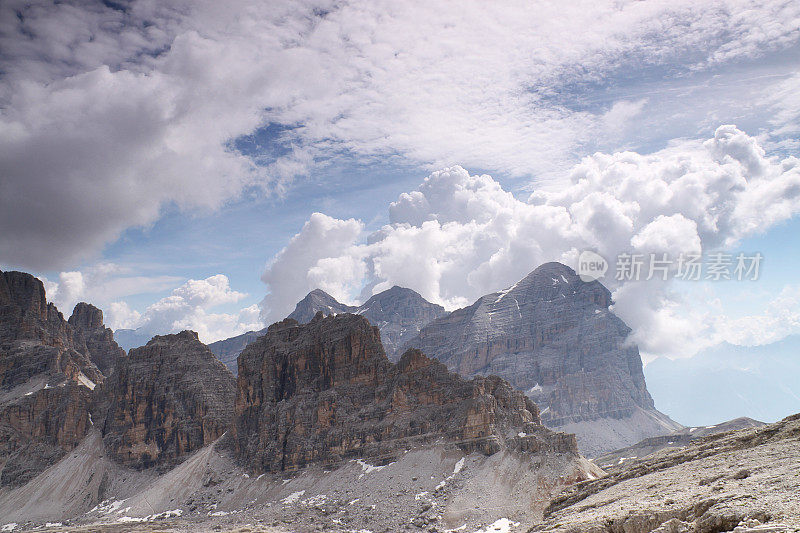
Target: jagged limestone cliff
x,y
325,392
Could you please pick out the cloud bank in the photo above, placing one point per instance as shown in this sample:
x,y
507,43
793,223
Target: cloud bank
x,y
459,236
189,307
111,112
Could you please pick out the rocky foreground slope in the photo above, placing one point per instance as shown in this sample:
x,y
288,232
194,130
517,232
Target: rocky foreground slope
x,y
47,379
553,336
746,481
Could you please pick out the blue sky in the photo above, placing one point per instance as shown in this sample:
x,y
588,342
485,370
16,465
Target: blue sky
x,y
146,146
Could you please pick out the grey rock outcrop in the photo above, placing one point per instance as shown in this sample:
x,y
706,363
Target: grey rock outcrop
x,y
166,400
318,301
399,314
87,323
325,392
554,337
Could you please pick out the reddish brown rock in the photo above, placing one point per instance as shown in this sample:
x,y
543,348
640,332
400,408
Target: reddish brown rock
x,y
166,400
325,392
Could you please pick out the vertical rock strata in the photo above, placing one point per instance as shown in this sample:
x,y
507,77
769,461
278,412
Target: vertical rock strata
x,y
87,323
325,392
46,381
551,335
166,400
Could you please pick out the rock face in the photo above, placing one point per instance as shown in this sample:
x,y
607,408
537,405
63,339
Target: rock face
x,y
399,314
87,322
325,392
553,336
46,380
166,400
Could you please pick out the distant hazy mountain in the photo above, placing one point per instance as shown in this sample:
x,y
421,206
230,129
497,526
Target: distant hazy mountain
x,y
727,381
228,350
553,336
131,338
398,312
677,439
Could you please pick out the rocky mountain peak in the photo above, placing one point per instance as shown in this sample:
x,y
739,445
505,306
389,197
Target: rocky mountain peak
x,y
556,280
88,327
553,336
316,301
46,380
23,291
336,350
166,400
185,336
283,324
398,300
27,315
398,312
395,291
86,316
319,294
414,360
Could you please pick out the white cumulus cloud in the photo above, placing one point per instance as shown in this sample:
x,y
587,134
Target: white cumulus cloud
x,y
111,113
191,305
459,236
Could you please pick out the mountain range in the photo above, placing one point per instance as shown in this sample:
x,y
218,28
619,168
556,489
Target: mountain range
x,y
322,431
399,313
48,375
550,335
553,336
170,432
